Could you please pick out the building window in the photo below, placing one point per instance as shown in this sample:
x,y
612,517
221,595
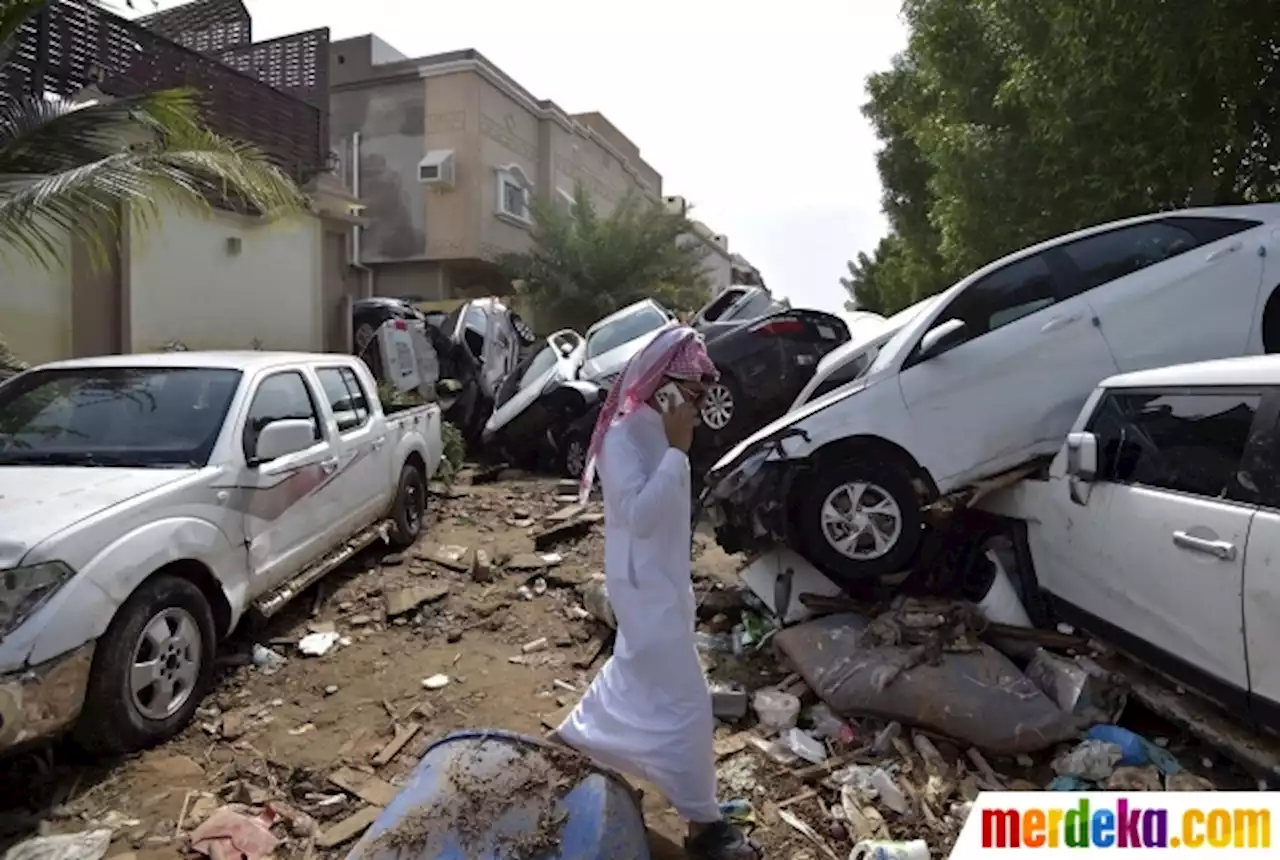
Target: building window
x,y
513,193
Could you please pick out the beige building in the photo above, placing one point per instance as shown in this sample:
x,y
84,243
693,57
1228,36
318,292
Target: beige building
x,y
447,152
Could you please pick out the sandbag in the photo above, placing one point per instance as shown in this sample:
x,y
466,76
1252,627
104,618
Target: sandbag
x,y
978,698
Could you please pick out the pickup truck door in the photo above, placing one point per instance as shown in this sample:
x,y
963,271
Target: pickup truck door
x,y
289,504
360,436
1154,557
1171,291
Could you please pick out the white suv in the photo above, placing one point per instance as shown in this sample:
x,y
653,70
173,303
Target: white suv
x,y
992,376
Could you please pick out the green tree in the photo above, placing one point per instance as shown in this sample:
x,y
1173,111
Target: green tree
x,y
583,265
66,170
1006,122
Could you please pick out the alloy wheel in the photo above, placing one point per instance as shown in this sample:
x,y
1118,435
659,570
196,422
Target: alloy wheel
x,y
861,520
717,407
166,663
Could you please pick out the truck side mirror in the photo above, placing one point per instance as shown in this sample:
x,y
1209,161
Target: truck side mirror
x,y
941,338
281,438
1082,456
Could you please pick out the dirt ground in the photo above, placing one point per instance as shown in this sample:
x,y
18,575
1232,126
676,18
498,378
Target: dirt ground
x,y
311,740
277,736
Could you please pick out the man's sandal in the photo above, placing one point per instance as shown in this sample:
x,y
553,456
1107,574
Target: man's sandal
x,y
722,841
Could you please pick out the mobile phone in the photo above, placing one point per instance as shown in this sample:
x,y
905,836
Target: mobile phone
x,y
670,396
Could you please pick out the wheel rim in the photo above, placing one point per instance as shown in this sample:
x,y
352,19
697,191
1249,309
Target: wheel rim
x,y
717,407
861,520
413,506
575,458
166,663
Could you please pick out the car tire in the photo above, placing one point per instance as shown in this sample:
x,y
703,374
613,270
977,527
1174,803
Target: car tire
x,y
899,521
723,407
167,622
410,507
573,454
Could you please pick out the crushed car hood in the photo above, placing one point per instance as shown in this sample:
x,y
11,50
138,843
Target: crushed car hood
x,y
38,502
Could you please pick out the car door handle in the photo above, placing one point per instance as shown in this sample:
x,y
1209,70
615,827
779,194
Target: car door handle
x,y
1222,549
329,466
1059,323
379,442
1222,252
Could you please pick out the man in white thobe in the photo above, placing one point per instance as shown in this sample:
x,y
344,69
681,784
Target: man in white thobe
x,y
648,711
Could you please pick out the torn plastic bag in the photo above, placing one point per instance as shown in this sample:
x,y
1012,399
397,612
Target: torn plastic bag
x,y
978,697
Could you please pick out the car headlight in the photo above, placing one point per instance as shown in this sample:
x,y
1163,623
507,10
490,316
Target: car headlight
x,y
23,590
737,478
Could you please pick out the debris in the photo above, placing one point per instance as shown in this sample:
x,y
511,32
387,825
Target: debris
x,y
916,849
173,768
731,744
560,532
525,592
539,586
888,791
1093,760
595,599
797,824
348,828
775,710
728,701
267,660
863,821
436,682
567,513
533,561
89,845
481,567
1134,779
1187,781
365,786
1135,750
452,556
539,644
402,601
885,737
232,835
317,644
330,689
403,735
302,729
804,746
1077,686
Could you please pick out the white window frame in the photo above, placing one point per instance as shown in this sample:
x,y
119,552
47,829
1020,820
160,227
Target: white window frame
x,y
508,176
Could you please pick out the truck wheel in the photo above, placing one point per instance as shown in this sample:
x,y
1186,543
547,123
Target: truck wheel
x,y
860,520
150,670
722,405
409,508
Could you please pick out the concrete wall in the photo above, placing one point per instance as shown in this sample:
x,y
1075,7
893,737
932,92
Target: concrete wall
x,y
35,308
188,282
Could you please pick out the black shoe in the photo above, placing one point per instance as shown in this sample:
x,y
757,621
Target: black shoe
x,y
722,841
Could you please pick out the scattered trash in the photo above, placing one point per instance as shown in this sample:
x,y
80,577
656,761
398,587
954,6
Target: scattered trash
x,y
539,586
1187,781
807,832
739,811
232,835
595,598
884,738
1093,760
525,592
401,601
1135,779
1077,686
776,710
89,845
728,701
267,660
712,643
539,644
436,682
1070,783
807,748
317,644
916,849
888,791
1135,750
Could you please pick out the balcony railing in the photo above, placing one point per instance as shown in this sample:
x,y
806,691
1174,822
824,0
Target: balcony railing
x,y
74,44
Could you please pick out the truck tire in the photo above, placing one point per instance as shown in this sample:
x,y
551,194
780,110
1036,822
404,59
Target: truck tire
x,y
573,453
409,508
859,520
166,625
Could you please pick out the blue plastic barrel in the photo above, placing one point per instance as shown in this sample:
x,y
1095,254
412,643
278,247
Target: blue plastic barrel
x,y
601,819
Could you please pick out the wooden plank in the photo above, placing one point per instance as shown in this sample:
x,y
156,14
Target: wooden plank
x,y
349,828
403,735
365,786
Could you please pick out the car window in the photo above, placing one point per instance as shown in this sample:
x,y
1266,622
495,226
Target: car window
x,y
346,397
279,397
722,303
1208,230
757,306
542,362
627,328
1189,443
851,370
1004,296
1101,259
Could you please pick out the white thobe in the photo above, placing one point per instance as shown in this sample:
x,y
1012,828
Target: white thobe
x,y
648,711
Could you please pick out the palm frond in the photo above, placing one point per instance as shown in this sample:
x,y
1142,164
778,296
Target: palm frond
x,y
13,14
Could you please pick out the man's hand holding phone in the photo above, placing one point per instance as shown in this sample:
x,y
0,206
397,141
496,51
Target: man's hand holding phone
x,y
679,423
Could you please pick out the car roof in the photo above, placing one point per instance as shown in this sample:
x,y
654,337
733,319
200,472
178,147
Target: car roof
x,y
625,312
248,360
1250,370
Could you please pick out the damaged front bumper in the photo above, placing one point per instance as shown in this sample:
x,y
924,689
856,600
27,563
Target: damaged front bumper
x,y
43,701
748,503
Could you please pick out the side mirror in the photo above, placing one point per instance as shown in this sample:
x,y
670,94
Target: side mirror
x,y
1082,456
942,337
284,437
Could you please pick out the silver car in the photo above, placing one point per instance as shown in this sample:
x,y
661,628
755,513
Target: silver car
x,y
615,339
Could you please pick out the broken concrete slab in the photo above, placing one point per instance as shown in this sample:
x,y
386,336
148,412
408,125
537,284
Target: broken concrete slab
x,y
560,533
400,601
566,513
533,561
451,556
481,567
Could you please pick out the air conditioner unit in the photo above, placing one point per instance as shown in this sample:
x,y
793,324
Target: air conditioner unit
x,y
437,168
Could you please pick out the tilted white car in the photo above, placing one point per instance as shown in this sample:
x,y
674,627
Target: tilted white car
x,y
148,501
992,376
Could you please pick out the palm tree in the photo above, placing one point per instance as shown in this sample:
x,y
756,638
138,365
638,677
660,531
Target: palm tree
x,y
583,265
68,169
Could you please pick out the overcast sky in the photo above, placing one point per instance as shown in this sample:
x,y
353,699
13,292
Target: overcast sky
x,y
748,110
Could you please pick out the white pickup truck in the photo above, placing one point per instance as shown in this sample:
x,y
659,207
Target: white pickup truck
x,y
1158,524
147,502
